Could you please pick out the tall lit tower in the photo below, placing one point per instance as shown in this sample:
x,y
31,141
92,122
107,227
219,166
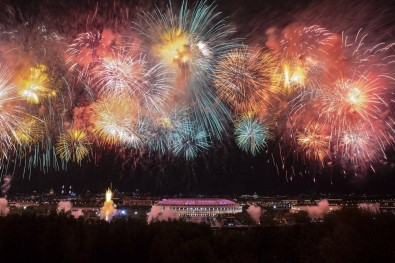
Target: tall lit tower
x,y
108,209
108,195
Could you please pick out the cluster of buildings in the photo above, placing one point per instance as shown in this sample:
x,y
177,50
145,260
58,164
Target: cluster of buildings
x,y
135,205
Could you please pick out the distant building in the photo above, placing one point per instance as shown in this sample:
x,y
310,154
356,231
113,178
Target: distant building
x,y
200,207
299,208
23,204
137,202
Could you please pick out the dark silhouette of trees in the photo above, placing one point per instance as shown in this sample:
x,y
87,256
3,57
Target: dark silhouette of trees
x,y
349,235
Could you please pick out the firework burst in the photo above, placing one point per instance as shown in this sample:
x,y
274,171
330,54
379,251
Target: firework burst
x,y
191,42
158,135
117,122
314,142
324,95
189,142
87,48
349,101
243,79
251,135
37,86
133,75
30,131
10,121
73,145
310,43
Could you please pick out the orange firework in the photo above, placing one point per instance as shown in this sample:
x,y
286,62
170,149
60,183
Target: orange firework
x,y
174,47
117,121
288,78
306,41
37,86
134,76
353,100
10,111
314,142
359,145
30,131
88,48
243,78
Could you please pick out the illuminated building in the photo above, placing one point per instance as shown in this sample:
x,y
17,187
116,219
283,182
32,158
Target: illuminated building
x,y
200,207
304,208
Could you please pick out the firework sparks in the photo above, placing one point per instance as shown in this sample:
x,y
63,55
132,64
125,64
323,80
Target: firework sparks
x,y
73,145
133,75
117,121
10,121
30,131
87,48
189,142
314,142
178,85
243,78
36,87
251,136
191,42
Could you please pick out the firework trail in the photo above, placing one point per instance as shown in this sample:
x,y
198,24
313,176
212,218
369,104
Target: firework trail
x,y
314,142
356,102
159,131
35,54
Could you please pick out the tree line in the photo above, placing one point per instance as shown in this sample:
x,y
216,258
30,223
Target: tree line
x,y
349,235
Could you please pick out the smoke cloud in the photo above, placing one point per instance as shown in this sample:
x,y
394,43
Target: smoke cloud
x,y
156,214
255,212
5,186
372,208
108,210
4,209
318,211
78,213
66,206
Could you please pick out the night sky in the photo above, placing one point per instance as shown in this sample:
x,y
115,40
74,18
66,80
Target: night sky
x,y
224,168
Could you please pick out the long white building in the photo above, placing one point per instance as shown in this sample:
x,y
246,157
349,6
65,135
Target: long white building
x,y
200,207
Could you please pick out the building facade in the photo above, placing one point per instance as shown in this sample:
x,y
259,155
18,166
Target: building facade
x,y
200,207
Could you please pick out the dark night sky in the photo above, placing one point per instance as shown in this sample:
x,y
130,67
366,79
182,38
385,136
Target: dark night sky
x,y
224,169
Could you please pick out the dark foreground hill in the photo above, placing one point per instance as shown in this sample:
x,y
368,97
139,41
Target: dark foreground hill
x,y
347,236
